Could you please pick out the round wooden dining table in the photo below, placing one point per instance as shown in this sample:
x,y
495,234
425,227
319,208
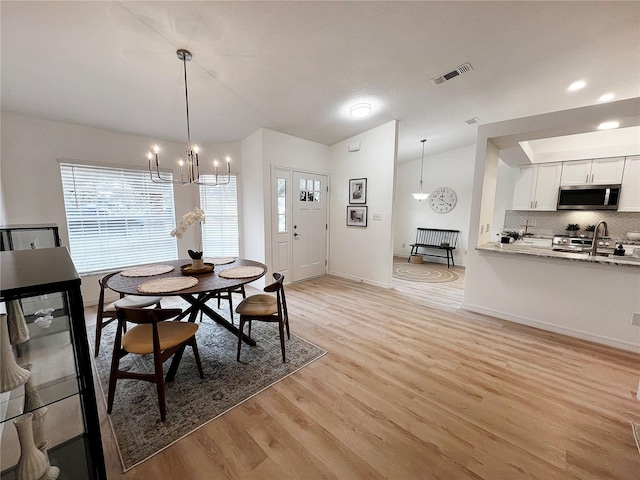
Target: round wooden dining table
x,y
208,286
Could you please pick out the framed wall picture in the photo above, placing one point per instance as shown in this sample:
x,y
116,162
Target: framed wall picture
x,y
356,216
358,190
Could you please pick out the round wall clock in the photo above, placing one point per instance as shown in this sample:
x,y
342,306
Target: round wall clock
x,y
443,200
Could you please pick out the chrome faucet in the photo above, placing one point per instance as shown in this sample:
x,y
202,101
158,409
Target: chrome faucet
x,y
594,246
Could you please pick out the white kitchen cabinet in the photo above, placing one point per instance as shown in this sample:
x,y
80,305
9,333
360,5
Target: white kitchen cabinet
x,y
536,187
599,171
630,189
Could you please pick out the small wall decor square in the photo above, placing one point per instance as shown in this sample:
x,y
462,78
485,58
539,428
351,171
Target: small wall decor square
x,y
358,190
356,216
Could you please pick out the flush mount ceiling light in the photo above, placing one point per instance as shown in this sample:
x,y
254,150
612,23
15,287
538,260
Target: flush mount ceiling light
x,y
360,110
606,97
421,196
608,125
579,85
190,166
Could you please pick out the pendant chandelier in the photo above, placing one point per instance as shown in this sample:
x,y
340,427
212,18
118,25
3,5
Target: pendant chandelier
x,y
190,165
421,196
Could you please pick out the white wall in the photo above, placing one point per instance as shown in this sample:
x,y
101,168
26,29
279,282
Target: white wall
x,y
580,299
449,169
31,184
364,254
252,195
506,182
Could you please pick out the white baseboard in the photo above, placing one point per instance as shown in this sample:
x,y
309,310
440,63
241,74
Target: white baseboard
x,y
550,327
361,280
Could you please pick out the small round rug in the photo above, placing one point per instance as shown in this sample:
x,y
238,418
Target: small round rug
x,y
428,273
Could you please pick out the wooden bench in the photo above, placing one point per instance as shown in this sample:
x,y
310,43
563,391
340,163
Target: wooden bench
x,y
434,238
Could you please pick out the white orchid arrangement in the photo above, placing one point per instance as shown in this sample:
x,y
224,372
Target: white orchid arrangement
x,y
194,216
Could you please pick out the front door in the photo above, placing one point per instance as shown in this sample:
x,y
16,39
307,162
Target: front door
x,y
309,225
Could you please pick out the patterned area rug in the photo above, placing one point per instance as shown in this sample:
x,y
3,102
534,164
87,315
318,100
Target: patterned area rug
x,y
190,401
423,272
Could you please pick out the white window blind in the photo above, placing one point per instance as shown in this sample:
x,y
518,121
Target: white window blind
x,y
220,229
116,217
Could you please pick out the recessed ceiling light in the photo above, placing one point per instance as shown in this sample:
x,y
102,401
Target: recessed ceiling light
x,y
360,110
608,125
606,97
579,85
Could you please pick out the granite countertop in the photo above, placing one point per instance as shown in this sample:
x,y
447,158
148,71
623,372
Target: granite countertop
x,y
546,251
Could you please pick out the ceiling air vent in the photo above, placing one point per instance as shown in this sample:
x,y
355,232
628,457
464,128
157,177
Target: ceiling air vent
x,y
473,120
452,74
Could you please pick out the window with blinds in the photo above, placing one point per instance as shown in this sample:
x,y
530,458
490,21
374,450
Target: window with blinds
x,y
116,217
220,229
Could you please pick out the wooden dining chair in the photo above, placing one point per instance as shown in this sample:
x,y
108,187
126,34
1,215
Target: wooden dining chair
x,y
265,308
152,335
106,315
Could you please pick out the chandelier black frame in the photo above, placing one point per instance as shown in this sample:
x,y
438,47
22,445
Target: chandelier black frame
x,y
189,168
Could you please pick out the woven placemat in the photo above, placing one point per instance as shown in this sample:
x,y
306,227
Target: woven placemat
x,y
146,270
166,285
635,428
219,260
241,272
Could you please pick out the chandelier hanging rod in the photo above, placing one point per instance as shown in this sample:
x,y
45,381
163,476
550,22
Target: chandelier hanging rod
x,y
192,162
421,196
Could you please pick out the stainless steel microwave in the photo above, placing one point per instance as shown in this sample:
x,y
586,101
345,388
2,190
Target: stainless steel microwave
x,y
589,197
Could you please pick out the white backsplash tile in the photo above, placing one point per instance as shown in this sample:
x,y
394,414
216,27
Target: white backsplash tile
x,y
553,223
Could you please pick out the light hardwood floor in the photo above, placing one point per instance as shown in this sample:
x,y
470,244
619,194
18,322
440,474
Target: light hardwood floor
x,y
414,388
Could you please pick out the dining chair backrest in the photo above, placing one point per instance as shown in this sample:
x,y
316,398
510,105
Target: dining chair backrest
x,y
142,316
105,314
278,288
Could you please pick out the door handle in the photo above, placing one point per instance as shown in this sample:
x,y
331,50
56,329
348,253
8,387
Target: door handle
x,y
295,234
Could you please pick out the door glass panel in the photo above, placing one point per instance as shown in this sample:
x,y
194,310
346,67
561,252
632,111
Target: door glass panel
x,y
282,187
316,196
310,185
303,184
282,205
316,185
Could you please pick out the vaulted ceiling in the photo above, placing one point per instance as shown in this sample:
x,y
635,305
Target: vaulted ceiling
x,y
296,67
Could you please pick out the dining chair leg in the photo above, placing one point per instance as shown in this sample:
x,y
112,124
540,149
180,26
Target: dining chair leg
x,y
240,327
281,329
98,334
159,381
113,378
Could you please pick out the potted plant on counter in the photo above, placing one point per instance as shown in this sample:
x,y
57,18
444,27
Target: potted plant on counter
x,y
512,235
572,229
589,230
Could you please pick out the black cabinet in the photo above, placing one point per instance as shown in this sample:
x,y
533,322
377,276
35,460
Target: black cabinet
x,y
27,237
58,359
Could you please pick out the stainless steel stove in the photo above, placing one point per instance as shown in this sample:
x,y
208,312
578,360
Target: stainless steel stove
x,y
564,243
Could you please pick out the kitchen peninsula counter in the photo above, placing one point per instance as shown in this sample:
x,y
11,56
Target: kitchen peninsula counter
x,y
547,252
